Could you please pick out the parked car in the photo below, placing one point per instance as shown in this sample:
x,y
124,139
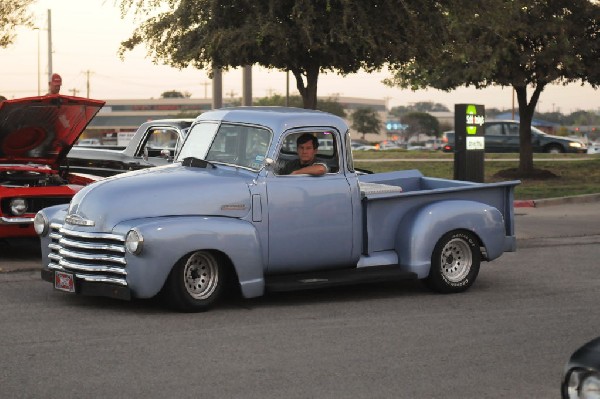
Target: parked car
x,y
153,144
593,148
35,135
503,136
581,378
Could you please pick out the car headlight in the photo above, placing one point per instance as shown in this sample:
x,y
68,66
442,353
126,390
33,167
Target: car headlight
x,y
18,206
40,224
134,241
583,384
575,144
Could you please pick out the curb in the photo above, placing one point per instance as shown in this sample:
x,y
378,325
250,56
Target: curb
x,y
539,203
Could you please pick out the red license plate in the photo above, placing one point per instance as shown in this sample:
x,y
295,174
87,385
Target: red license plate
x,y
64,281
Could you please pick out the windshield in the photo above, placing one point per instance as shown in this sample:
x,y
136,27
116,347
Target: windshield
x,y
238,145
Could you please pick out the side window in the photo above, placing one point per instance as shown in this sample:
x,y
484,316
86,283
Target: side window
x,y
159,139
512,129
327,151
493,129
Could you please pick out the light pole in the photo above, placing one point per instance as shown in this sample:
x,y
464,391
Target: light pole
x,y
38,62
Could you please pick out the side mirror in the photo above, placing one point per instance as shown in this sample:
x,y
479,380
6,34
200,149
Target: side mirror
x,y
165,153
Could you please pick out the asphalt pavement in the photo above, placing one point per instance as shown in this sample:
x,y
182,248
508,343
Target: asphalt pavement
x,y
538,222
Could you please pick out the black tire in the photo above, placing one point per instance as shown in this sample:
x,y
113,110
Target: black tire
x,y
454,263
196,282
554,149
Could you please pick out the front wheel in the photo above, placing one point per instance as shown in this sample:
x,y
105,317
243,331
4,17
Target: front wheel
x,y
454,263
554,149
196,282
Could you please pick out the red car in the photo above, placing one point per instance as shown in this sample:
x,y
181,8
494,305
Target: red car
x,y
36,133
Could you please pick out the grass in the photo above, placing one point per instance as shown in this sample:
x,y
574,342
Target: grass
x,y
577,174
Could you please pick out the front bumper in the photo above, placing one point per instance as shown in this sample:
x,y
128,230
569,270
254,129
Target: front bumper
x,y
92,288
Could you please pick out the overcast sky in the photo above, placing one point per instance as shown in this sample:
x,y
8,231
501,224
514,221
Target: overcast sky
x,y
86,35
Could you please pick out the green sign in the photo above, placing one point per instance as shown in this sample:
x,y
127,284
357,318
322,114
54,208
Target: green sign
x,y
473,120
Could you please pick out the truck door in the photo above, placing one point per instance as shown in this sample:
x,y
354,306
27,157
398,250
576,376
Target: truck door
x,y
310,217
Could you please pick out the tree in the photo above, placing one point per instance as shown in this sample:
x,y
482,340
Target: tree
x,y
330,105
175,94
365,120
523,44
305,37
13,13
421,122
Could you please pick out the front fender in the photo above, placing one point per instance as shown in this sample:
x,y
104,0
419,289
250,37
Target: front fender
x,y
168,239
419,231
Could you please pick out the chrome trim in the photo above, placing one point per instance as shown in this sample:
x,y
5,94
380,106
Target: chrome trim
x,y
77,220
54,266
91,268
100,258
76,244
101,279
5,220
102,236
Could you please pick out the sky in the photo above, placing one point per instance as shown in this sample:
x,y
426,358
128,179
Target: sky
x,y
86,35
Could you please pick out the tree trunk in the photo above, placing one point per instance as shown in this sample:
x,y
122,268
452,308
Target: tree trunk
x,y
526,111
308,91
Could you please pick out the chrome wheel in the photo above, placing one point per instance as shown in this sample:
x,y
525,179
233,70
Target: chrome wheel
x,y
201,275
456,260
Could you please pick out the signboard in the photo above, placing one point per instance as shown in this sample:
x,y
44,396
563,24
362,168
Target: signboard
x,y
469,142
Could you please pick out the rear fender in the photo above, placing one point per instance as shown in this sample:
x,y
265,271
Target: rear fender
x,y
419,231
168,239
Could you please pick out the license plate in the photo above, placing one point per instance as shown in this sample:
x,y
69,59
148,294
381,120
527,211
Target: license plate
x,y
64,281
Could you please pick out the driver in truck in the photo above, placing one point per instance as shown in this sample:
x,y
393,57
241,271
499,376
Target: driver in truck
x,y
307,146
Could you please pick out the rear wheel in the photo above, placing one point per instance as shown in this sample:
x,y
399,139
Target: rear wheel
x,y
196,282
454,263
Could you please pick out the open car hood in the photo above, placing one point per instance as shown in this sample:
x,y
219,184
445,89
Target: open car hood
x,y
43,129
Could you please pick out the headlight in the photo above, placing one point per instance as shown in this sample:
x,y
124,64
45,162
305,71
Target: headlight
x,y
18,206
575,144
40,224
134,241
583,384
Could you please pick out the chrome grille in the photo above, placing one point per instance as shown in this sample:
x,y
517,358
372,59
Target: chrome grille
x,y
98,257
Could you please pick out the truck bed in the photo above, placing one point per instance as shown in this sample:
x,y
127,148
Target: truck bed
x,y
388,197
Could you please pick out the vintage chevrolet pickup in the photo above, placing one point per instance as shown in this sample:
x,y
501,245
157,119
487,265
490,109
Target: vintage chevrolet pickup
x,y
223,216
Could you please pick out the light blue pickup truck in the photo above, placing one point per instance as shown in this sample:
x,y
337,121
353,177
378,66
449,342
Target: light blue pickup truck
x,y
223,216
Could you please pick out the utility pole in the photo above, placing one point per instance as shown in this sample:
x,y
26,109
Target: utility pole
x,y
205,84
49,45
74,91
87,82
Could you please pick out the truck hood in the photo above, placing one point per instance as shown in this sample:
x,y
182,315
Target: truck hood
x,y
163,191
43,129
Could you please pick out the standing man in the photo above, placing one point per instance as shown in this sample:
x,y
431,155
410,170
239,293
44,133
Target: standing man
x,y
307,146
54,84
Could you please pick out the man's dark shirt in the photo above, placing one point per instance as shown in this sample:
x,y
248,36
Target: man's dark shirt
x,y
290,166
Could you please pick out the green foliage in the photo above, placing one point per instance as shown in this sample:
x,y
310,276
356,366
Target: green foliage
x,y
421,122
422,106
175,94
524,44
365,120
330,105
301,36
13,13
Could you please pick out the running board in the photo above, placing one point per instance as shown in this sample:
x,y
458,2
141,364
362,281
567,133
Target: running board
x,y
333,278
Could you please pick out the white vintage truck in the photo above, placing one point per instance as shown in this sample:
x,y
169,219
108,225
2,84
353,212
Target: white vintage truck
x,y
222,213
